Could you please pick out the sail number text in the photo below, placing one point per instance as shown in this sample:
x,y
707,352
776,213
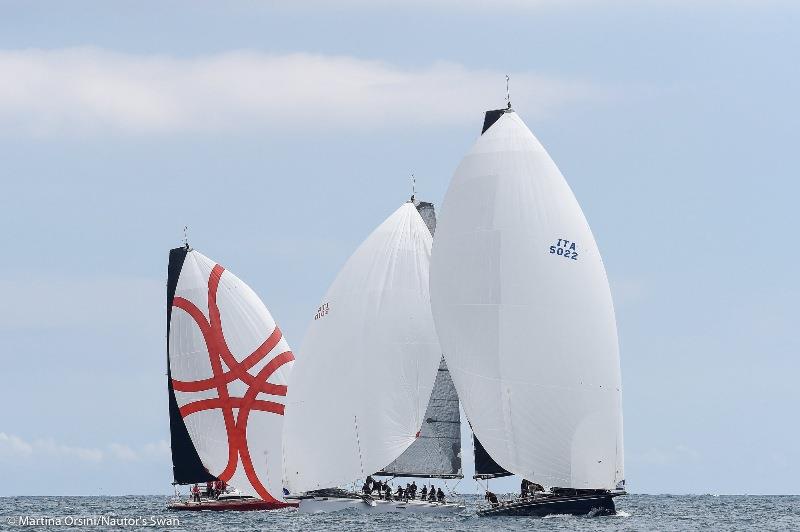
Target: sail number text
x,y
564,248
322,311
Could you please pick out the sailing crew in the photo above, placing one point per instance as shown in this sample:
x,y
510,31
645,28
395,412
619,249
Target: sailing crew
x,y
408,491
524,488
378,486
196,493
424,492
399,493
387,490
366,488
413,490
492,498
440,495
432,493
209,489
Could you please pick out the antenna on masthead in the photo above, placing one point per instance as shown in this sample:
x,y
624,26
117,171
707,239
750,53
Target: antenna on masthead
x,y
508,93
186,237
413,187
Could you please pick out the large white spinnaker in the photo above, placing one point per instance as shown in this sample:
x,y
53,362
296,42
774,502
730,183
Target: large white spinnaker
x,y
367,364
524,314
228,365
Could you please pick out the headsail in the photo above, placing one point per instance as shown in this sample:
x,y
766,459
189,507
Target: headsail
x,y
437,451
524,314
228,366
369,359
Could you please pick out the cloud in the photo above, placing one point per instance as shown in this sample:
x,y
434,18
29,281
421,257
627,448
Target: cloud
x,y
14,448
89,91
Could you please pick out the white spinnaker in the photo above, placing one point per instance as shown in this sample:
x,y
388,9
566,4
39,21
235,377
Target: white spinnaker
x,y
529,335
250,336
367,364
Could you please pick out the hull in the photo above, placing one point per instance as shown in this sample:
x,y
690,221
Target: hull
x,y
316,505
235,505
541,506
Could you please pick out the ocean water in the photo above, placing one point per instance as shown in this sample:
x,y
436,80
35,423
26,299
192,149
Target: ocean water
x,y
635,512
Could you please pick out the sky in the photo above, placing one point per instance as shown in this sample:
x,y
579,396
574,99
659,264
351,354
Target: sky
x,y
281,134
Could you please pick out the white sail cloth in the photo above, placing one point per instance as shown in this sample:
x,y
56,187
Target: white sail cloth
x,y
524,314
367,364
229,366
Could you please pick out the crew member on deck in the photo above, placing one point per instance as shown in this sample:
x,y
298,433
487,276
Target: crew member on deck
x,y
492,498
424,492
440,495
413,490
209,489
387,490
432,493
196,493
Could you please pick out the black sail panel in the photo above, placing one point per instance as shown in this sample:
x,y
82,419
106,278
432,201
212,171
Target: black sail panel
x,y
491,117
186,465
485,466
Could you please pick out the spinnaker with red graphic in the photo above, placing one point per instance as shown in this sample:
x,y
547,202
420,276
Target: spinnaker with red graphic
x,y
228,365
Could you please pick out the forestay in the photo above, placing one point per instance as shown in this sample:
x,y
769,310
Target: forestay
x,y
524,314
228,364
367,364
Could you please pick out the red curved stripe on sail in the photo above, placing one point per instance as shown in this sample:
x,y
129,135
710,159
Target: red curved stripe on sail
x,y
235,402
244,413
218,351
238,370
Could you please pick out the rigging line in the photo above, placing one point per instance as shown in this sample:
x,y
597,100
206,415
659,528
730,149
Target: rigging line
x,y
358,442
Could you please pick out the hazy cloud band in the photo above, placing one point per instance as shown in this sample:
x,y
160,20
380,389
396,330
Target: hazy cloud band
x,y
80,91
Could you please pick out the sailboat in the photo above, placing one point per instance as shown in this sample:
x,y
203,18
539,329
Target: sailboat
x,y
369,362
524,314
227,369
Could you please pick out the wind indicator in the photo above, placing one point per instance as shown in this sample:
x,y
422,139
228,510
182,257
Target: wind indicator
x,y
413,187
186,237
508,92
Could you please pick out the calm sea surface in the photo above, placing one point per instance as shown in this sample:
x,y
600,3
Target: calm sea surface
x,y
636,512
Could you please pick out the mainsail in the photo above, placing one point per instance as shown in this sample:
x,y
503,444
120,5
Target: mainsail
x,y
485,466
437,451
228,367
368,362
524,314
